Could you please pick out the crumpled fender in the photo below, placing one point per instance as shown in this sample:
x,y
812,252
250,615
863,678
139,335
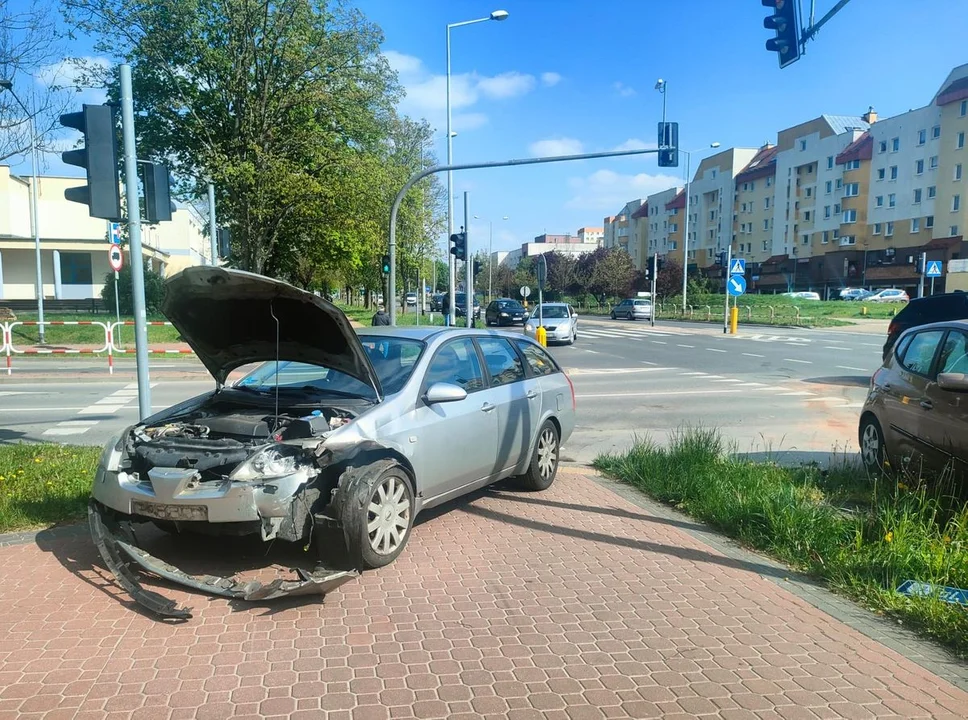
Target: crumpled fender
x,y
120,553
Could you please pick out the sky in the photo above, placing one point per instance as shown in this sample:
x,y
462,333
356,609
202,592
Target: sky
x,y
569,76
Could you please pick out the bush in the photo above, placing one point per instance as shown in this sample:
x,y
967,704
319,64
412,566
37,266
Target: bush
x,y
154,291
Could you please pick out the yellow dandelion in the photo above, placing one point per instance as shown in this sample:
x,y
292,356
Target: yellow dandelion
x,y
38,460
889,537
901,486
946,539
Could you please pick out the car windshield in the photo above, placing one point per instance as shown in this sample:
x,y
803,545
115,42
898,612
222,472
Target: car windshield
x,y
554,311
392,358
511,305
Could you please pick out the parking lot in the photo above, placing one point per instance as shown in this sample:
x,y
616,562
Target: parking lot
x,y
575,603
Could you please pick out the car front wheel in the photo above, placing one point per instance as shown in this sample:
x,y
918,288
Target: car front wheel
x,y
544,463
377,526
872,447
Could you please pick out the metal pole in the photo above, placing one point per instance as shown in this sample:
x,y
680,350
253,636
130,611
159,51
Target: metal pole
x,y
212,231
932,286
924,263
685,239
468,264
36,224
729,261
451,260
490,253
134,238
655,273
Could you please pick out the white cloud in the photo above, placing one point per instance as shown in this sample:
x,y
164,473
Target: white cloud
x,y
635,144
623,89
550,79
556,146
426,93
606,190
70,71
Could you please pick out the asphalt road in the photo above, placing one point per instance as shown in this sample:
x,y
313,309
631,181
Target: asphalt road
x,y
769,391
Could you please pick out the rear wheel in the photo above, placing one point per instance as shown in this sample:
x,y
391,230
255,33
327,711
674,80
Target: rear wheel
x,y
873,450
613,314
544,463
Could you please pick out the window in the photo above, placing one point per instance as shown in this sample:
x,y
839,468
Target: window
x,y
891,200
879,201
766,244
922,137
806,216
889,229
882,146
917,196
837,209
955,203
537,359
957,175
805,239
809,192
961,140
935,132
880,173
836,234
503,364
953,230
895,144
830,162
840,183
933,162
826,211
919,167
919,354
769,181
75,268
766,203
766,224
456,363
850,216
915,225
932,191
852,189
964,108
954,354
828,186
893,172
826,238
929,222
877,229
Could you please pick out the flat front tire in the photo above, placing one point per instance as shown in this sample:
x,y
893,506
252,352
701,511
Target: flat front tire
x,y
873,450
543,469
377,529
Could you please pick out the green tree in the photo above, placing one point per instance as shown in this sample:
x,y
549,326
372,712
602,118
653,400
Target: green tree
x,y
154,291
613,273
562,272
669,282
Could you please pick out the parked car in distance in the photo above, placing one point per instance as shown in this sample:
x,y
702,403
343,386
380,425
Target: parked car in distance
x,y
915,414
436,302
853,294
411,298
460,299
633,309
504,311
560,322
889,295
922,311
330,429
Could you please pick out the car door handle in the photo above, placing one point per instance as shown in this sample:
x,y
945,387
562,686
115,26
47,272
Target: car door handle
x,y
532,394
927,404
487,407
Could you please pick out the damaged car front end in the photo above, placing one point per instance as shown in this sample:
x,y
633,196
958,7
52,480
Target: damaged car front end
x,y
269,456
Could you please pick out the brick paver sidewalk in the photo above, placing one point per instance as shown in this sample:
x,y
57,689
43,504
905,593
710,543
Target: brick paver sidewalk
x,y
573,603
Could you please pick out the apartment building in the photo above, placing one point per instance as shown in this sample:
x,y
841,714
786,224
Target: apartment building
x,y
753,206
659,225
711,200
619,230
591,235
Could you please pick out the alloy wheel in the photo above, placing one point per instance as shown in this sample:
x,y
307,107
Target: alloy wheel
x,y
388,516
871,446
547,453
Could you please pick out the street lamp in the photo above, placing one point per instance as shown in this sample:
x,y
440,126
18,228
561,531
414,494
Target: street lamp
x,y
8,86
661,86
497,15
685,236
490,238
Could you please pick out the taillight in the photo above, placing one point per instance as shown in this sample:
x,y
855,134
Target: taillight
x,y
574,403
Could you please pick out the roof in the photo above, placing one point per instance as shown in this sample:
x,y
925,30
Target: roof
x,y
845,123
773,259
679,201
642,211
958,90
944,243
861,149
763,164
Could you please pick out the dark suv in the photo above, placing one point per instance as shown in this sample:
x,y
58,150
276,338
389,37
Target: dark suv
x,y
922,311
504,311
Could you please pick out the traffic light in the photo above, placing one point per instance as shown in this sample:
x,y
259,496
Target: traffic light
x,y
477,267
668,144
386,264
99,158
459,250
784,21
224,242
723,258
919,263
158,204
659,264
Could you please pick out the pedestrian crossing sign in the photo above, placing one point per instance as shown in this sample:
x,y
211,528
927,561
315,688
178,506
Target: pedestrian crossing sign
x,y
934,269
738,267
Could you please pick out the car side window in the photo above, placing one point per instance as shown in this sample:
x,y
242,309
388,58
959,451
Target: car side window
x,y
537,359
920,352
503,363
456,363
954,354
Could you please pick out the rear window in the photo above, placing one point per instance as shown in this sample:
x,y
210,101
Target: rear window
x,y
538,360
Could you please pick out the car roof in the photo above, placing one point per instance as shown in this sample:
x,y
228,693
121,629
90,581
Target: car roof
x,y
430,333
943,325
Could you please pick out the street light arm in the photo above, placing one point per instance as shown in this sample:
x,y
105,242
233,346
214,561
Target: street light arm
x,y
467,22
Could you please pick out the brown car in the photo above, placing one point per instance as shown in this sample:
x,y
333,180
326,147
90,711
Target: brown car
x,y
917,407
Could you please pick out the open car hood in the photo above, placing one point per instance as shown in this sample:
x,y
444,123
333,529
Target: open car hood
x,y
226,316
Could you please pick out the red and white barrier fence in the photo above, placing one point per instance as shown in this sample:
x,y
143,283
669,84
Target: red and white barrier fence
x,y
9,350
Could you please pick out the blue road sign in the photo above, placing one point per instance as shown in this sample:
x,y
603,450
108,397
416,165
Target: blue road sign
x,y
738,267
116,233
736,285
934,268
953,595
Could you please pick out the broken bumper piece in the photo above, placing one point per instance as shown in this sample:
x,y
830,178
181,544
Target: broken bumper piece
x,y
121,554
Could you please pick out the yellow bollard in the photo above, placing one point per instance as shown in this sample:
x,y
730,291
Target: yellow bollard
x,y
541,335
863,310
733,320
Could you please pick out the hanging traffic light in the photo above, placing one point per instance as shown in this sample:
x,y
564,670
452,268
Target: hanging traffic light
x,y
386,264
158,204
459,249
783,21
477,268
99,158
668,144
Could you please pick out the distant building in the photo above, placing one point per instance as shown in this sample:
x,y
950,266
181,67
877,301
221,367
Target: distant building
x,y
591,235
557,239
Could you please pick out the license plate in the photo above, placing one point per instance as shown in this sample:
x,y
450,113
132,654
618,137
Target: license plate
x,y
171,512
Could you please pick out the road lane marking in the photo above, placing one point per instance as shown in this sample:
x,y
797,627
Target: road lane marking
x,y
798,392
615,371
848,367
660,342
753,355
692,373
715,350
752,384
728,380
829,347
656,394
687,346
805,362
826,399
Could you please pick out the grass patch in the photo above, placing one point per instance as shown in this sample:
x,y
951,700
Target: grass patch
x,y
863,537
43,485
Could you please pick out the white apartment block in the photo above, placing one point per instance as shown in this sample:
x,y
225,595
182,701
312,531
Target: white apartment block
x,y
711,203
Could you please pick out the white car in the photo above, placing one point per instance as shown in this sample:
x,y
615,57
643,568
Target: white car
x,y
559,319
411,298
891,295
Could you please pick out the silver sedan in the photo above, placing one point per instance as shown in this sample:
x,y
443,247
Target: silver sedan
x,y
560,322
359,432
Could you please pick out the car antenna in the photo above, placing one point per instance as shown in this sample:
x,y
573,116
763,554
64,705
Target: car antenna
x,y
275,417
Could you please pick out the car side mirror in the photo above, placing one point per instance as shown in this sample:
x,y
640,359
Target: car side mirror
x,y
953,382
444,393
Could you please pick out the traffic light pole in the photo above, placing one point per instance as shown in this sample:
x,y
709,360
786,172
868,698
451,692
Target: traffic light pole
x,y
212,228
134,238
468,264
655,277
417,177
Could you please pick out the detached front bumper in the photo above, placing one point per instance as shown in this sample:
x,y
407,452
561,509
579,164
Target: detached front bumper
x,y
119,549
